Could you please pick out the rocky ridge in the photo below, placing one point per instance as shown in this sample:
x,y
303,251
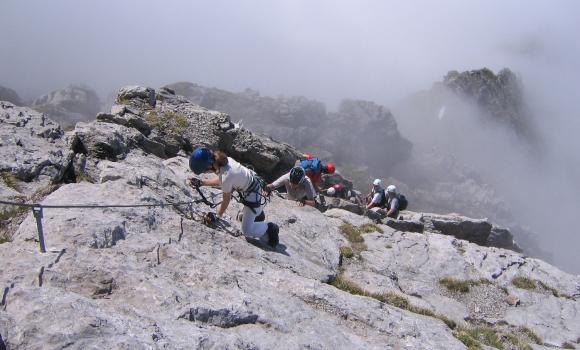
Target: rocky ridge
x,y
157,278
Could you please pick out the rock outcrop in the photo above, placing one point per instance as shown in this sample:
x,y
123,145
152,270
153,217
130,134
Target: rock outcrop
x,y
156,277
34,149
165,124
296,120
9,95
69,105
453,165
499,95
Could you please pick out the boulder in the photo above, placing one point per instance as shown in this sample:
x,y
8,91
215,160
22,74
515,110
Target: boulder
x,y
33,148
105,140
405,225
139,93
476,231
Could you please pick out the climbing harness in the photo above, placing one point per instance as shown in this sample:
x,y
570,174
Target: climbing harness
x,y
257,188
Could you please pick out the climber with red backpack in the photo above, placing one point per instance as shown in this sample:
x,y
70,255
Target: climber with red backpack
x,y
314,168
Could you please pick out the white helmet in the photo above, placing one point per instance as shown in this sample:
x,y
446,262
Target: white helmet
x,y
392,189
331,191
377,182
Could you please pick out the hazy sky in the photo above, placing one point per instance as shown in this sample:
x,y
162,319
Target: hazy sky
x,y
379,50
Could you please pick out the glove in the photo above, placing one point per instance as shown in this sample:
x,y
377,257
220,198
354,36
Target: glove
x,y
195,182
210,219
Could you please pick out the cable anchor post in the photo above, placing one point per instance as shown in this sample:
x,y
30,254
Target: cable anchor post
x,y
38,213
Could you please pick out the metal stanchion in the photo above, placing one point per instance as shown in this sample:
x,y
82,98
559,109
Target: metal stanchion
x,y
37,211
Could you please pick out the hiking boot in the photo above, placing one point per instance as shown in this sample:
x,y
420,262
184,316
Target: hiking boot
x,y
272,233
261,217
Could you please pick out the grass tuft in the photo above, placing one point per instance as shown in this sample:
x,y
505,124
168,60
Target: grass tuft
x,y
524,283
12,212
168,121
369,228
351,233
10,180
346,251
483,335
391,298
550,289
459,286
354,236
532,335
468,340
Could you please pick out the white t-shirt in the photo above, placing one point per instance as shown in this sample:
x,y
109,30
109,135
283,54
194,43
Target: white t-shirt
x,y
378,196
303,190
393,203
235,177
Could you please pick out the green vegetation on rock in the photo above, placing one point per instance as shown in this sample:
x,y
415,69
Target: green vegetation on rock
x,y
459,286
346,251
500,338
369,228
168,121
391,298
524,283
354,236
9,180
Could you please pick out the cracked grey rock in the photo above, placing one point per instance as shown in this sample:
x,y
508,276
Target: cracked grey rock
x,y
33,149
419,261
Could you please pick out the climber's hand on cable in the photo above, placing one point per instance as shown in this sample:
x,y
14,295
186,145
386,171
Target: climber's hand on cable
x,y
195,182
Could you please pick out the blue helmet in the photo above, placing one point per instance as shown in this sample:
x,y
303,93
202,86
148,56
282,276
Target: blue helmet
x,y
200,160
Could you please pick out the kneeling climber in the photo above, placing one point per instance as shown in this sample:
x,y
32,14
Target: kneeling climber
x,y
232,176
393,204
298,187
376,198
